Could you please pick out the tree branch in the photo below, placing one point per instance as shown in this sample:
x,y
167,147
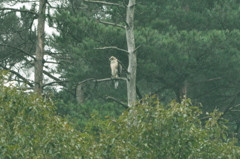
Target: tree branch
x,y
53,83
90,79
54,78
113,24
7,57
14,47
104,3
230,105
109,79
19,10
137,48
112,47
116,100
18,75
208,80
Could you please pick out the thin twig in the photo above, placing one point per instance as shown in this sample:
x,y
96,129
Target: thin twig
x,y
137,48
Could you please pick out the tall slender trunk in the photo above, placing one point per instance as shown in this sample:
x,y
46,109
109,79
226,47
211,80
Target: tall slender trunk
x,y
132,57
182,92
38,74
80,93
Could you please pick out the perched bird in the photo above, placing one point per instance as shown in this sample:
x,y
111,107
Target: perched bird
x,y
116,69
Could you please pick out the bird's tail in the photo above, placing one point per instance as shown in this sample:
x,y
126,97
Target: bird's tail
x,y
116,84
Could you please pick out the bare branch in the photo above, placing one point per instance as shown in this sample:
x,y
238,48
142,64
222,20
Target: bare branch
x,y
118,101
54,78
90,79
113,24
19,10
208,80
230,105
109,79
104,3
137,48
53,83
112,47
51,76
18,75
52,62
123,16
102,80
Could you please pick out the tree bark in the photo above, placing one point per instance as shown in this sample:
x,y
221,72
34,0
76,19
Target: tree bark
x,y
38,67
132,57
80,93
183,92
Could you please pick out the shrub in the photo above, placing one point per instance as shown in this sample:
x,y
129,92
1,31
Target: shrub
x,y
153,131
29,128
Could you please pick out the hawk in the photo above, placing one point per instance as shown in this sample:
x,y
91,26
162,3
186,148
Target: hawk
x,y
116,69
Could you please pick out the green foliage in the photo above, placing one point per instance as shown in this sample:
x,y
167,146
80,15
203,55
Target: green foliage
x,y
151,130
80,114
194,56
188,15
30,129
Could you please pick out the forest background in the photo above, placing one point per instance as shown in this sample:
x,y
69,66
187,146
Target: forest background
x,y
185,49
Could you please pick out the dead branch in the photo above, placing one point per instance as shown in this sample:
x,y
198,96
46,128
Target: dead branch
x,y
109,79
116,100
101,80
90,79
137,48
112,47
53,77
207,80
19,10
18,75
113,24
48,84
230,105
104,3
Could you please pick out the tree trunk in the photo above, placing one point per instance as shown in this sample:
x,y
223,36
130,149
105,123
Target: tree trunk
x,y
38,76
80,93
182,92
132,57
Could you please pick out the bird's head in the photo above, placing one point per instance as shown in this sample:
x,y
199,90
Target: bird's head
x,y
112,58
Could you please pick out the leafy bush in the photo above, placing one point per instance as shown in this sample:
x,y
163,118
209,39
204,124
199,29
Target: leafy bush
x,y
30,129
153,131
80,114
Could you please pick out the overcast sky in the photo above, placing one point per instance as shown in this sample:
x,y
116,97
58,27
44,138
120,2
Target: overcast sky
x,y
29,73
